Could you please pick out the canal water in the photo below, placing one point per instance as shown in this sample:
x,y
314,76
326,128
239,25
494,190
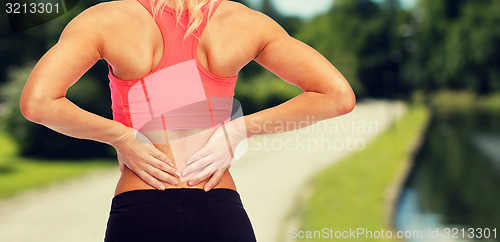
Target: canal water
x,y
453,190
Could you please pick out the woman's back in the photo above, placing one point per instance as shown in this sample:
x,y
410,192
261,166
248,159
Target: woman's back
x,y
133,45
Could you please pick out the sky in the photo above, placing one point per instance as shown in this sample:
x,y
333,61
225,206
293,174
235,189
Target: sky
x,y
307,9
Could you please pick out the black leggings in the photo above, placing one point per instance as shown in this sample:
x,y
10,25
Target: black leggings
x,y
180,214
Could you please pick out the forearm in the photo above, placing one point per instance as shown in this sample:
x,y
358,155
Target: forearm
x,y
296,113
65,117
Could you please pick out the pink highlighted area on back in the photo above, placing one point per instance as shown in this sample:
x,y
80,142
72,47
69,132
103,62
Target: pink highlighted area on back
x,y
173,97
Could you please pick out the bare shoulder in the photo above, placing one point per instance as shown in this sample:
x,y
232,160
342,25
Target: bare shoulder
x,y
104,16
229,6
249,24
106,24
245,16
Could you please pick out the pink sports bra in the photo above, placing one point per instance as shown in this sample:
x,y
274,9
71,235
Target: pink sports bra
x,y
179,93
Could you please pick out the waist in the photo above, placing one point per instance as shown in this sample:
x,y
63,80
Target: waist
x,y
129,181
178,194
178,145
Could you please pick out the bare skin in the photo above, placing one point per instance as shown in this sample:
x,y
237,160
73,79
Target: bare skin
x,y
235,36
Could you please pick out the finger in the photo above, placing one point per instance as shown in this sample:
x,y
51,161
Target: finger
x,y
164,167
120,162
203,152
119,158
198,179
199,164
150,180
161,175
156,153
214,180
202,175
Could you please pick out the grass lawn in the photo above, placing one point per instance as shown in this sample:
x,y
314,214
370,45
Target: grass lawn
x,y
18,173
353,193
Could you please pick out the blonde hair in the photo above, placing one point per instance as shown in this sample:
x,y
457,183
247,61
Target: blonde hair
x,y
194,7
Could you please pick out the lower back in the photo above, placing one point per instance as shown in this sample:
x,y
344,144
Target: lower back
x,y
178,145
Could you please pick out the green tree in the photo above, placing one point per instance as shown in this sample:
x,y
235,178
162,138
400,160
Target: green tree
x,y
20,52
360,37
456,46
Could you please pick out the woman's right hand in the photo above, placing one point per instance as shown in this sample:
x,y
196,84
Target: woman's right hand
x,y
138,153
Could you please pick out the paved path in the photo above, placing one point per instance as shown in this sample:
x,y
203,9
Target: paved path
x,y
269,177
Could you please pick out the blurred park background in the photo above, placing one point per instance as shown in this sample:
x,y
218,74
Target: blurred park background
x,y
440,57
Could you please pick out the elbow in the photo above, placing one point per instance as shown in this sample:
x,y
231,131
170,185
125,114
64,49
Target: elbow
x,y
31,108
348,101
343,101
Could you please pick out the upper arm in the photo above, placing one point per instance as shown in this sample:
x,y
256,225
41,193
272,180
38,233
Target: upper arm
x,y
77,50
297,62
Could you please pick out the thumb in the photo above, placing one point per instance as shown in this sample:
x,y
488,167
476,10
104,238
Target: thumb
x,y
197,155
120,162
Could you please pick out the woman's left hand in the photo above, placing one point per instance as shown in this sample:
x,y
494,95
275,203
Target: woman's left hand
x,y
214,180
217,153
